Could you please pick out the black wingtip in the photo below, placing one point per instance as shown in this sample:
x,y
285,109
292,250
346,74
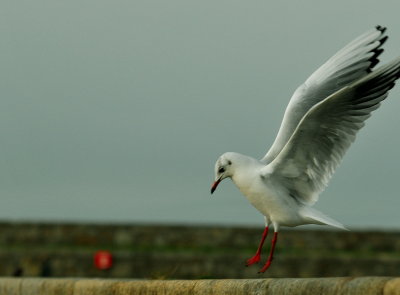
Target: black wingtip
x,y
380,28
374,59
378,51
383,40
374,62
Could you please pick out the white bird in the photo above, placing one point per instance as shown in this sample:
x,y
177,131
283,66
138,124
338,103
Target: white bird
x,y
319,125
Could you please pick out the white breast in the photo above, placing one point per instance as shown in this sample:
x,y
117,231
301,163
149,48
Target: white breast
x,y
268,199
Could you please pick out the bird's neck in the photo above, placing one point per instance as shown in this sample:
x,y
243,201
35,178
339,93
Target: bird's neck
x,y
246,170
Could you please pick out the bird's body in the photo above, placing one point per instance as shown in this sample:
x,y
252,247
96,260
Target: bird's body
x,y
269,197
319,125
263,193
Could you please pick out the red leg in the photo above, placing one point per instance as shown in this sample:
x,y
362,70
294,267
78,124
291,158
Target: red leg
x,y
271,254
256,258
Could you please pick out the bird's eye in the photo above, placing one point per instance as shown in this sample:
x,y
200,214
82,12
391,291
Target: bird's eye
x,y
221,170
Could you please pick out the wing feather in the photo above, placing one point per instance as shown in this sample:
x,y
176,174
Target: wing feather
x,y
315,149
351,63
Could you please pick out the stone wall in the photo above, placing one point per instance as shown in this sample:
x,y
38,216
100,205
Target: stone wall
x,y
327,286
191,252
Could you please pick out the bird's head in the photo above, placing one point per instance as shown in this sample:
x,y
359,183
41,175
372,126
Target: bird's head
x,y
223,169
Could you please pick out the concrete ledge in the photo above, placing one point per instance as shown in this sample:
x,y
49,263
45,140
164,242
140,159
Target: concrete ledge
x,y
326,286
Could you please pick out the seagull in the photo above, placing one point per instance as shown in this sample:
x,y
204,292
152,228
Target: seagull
x,y
319,124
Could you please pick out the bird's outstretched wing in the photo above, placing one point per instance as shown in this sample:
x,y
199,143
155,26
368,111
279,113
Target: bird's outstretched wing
x,y
310,157
351,63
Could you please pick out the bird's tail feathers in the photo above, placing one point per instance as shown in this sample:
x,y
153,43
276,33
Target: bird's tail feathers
x,y
318,217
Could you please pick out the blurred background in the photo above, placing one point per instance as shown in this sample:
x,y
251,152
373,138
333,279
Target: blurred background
x,y
190,252
114,112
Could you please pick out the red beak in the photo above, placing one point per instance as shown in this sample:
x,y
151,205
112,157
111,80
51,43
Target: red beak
x,y
215,184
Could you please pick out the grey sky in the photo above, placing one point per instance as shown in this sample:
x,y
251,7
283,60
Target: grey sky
x,y
116,111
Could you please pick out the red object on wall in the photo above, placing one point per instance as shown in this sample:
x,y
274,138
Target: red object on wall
x,y
103,260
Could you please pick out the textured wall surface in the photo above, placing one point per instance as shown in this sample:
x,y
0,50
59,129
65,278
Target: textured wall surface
x,y
326,286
